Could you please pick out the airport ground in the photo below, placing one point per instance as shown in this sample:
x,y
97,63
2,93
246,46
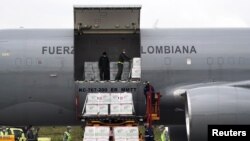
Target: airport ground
x,y
56,133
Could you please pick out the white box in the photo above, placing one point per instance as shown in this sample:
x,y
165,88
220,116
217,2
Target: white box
x,y
89,132
87,139
132,132
120,139
136,63
103,109
120,132
104,98
115,109
135,139
91,65
92,109
115,98
114,66
125,75
126,109
136,73
93,98
102,132
102,139
90,75
126,98
113,75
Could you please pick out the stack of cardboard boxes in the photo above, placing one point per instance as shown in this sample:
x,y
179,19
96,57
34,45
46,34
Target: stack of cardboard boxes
x,y
114,69
99,133
118,103
91,71
126,133
136,68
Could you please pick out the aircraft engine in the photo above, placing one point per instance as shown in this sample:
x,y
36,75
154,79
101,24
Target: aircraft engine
x,y
215,105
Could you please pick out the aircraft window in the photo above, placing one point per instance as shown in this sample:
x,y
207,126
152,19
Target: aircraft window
x,y
167,61
210,61
231,61
189,61
28,61
18,61
242,60
220,61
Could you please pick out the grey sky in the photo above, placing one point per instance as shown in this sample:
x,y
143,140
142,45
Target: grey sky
x,y
155,13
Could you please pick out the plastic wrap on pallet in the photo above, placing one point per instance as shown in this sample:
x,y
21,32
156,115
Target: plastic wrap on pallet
x,y
103,109
126,98
93,98
104,98
89,132
115,109
92,75
120,140
114,66
132,132
135,139
92,109
136,63
120,132
126,109
102,139
102,132
87,139
91,66
136,73
115,98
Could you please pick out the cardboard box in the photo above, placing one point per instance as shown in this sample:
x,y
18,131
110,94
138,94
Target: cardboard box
x,y
92,109
120,132
132,132
102,132
104,98
115,109
136,139
136,63
87,139
120,139
89,132
90,75
136,73
126,98
93,98
102,139
91,66
126,109
103,109
115,98
114,66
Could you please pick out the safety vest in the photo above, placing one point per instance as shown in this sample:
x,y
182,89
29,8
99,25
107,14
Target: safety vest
x,y
3,133
165,136
69,138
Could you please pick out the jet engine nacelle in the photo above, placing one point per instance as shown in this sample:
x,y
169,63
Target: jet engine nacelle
x,y
215,105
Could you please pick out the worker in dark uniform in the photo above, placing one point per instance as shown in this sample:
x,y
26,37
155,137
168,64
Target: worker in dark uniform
x,y
149,133
123,57
104,66
147,89
29,134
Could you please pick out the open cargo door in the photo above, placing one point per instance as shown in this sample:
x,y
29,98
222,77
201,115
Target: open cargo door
x,y
107,29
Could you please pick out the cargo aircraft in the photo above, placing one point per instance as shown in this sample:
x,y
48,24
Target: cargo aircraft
x,y
202,74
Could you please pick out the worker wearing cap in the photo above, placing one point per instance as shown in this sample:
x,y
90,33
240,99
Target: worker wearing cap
x,y
67,135
123,57
104,66
149,89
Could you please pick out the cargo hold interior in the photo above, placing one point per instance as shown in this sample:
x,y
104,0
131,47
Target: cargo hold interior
x,y
110,30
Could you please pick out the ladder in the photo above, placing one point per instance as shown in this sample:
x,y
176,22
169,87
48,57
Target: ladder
x,y
152,106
